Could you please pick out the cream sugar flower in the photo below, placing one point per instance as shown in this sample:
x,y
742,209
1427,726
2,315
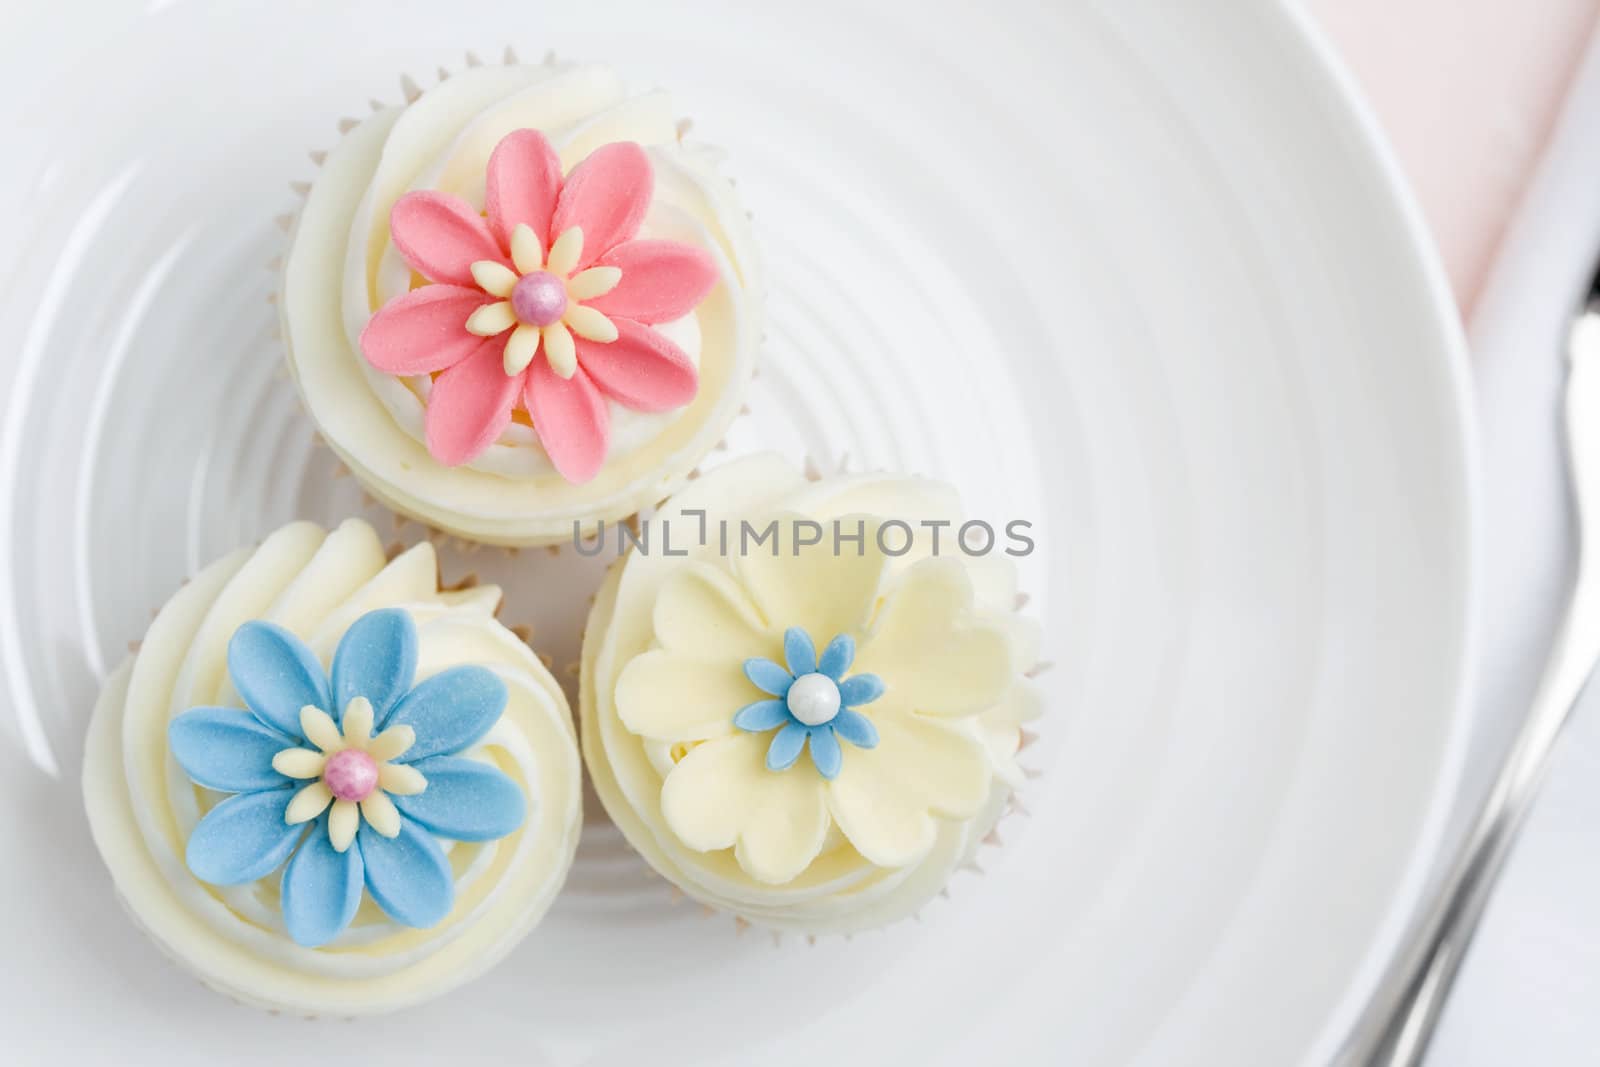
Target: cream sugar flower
x,y
352,772
812,737
936,667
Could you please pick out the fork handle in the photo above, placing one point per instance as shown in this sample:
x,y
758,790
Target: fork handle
x,y
1402,1016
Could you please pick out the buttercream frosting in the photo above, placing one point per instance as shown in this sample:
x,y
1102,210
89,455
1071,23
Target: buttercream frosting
x,y
143,808
707,675
343,266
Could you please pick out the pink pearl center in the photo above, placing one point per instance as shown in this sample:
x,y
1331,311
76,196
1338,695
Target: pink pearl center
x,y
539,298
351,774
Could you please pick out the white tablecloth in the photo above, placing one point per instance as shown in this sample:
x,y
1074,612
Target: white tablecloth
x,y
1530,992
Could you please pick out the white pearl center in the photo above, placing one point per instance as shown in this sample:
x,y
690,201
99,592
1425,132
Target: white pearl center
x,y
814,699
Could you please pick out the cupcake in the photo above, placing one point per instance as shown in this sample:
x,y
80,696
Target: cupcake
x,y
804,713
520,303
326,786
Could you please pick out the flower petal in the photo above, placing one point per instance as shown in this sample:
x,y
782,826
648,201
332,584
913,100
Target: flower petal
x,y
494,277
357,723
243,838
672,697
318,727
521,347
886,799
450,711
799,651
227,749
762,716
276,675
570,417
490,320
810,587
855,728
376,659
825,754
596,281
321,889
721,794
560,350
470,405
928,649
522,183
527,249
767,676
837,657
641,369
381,814
1002,733
408,875
565,251
607,195
299,763
590,325
701,612
309,801
423,330
786,746
661,280
466,800
401,779
343,822
391,743
860,689
441,236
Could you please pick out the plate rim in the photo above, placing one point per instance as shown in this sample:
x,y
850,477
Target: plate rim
x,y
1419,268
1327,73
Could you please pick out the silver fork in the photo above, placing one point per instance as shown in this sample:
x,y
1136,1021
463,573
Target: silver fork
x,y
1401,1018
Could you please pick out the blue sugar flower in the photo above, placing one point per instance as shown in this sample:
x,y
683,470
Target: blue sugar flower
x,y
365,757
813,701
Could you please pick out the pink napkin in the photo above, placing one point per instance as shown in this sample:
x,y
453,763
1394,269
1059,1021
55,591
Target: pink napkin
x,y
1467,91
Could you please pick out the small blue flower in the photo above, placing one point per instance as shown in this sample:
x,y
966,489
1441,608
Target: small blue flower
x,y
812,701
365,757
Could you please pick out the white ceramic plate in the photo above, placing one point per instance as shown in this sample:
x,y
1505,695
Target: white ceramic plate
x,y
1144,279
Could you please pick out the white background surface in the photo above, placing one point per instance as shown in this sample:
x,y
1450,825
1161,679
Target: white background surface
x,y
1530,991
1154,265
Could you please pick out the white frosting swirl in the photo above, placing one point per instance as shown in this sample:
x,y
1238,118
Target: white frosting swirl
x,y
342,266
839,890
142,807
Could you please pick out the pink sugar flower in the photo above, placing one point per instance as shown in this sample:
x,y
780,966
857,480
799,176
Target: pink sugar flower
x,y
503,321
